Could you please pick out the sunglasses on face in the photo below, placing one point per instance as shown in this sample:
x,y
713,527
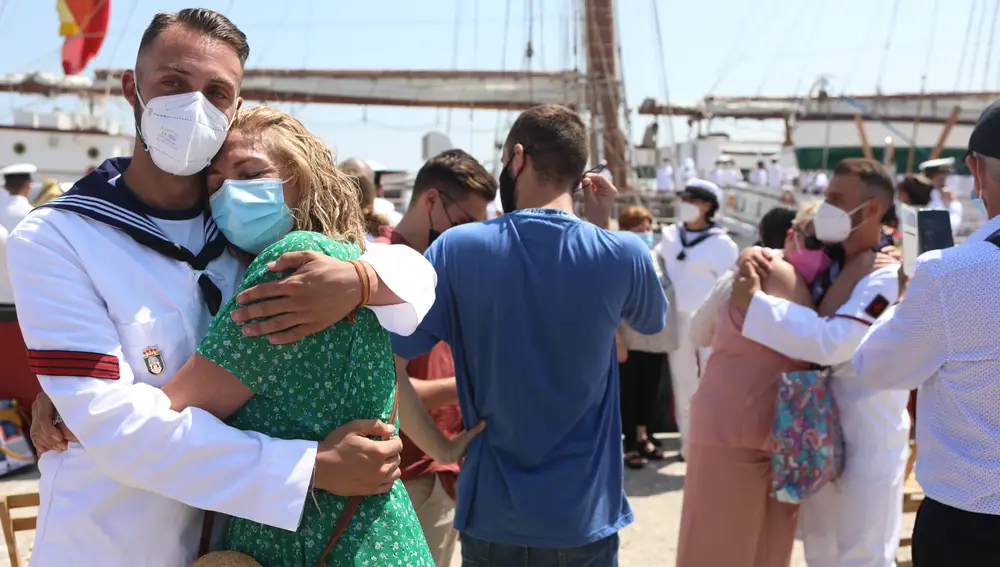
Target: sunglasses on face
x,y
810,241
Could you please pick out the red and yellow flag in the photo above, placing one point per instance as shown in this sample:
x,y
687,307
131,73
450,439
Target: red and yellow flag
x,y
83,23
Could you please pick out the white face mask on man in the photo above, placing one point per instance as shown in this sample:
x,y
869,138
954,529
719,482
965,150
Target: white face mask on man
x,y
688,212
833,225
182,132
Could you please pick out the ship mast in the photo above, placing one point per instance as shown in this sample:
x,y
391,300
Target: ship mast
x,y
604,88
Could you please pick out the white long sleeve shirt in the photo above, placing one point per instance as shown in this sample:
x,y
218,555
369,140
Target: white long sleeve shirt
x,y
874,419
943,339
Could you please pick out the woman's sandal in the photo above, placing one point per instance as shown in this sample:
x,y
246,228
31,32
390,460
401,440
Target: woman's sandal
x,y
634,460
650,450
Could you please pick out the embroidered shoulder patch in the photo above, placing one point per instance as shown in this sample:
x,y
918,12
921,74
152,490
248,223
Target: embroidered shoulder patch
x,y
877,307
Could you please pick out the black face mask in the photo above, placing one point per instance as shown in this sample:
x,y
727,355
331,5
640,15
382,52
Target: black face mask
x,y
508,184
433,233
835,252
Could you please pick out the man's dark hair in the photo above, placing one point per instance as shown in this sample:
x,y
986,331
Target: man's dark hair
x,y
760,165
918,188
456,174
555,138
774,226
873,175
208,22
17,181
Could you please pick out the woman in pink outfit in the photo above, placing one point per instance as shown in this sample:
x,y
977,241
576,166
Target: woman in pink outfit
x,y
728,517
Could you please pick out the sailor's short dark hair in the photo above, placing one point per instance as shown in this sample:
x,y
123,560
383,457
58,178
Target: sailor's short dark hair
x,y
872,174
208,22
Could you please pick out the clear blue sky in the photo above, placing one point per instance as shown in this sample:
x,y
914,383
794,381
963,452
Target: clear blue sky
x,y
737,46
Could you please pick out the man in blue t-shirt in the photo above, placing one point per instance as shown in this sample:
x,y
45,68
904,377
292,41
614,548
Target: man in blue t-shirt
x,y
529,303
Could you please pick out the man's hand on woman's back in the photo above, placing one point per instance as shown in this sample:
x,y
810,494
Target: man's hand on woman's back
x,y
348,463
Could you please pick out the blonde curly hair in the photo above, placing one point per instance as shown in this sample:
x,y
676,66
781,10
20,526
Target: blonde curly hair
x,y
328,197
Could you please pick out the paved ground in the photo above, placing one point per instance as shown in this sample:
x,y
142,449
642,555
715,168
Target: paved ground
x,y
654,492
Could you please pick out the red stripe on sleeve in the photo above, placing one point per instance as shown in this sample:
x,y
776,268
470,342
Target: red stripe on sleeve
x,y
852,318
72,363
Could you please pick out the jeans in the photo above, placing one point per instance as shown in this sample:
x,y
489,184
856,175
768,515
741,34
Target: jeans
x,y
479,553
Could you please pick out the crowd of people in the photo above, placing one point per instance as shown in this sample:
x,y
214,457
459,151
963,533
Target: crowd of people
x,y
228,391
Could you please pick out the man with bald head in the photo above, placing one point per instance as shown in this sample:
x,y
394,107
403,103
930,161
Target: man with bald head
x,y
382,205
358,166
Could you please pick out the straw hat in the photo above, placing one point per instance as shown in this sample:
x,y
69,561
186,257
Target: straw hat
x,y
226,559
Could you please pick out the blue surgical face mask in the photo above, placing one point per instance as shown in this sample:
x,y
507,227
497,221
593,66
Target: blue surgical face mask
x,y
647,237
979,203
251,213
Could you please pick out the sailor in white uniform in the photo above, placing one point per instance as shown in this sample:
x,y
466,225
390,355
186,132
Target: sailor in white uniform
x,y
720,175
694,253
775,175
6,292
689,171
942,198
759,176
665,177
15,206
113,295
854,521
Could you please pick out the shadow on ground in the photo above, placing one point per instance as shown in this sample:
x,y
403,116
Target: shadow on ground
x,y
658,477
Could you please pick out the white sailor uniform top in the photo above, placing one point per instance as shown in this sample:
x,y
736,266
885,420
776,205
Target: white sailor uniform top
x,y
110,308
693,260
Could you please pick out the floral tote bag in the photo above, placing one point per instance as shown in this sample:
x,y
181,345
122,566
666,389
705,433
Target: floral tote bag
x,y
807,442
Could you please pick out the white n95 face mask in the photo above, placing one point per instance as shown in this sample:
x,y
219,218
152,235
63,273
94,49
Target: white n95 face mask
x,y
182,132
688,212
833,225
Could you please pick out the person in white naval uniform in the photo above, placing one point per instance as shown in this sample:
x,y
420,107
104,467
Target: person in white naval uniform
x,y
942,197
760,175
775,175
15,205
688,171
6,292
116,282
854,521
665,177
694,253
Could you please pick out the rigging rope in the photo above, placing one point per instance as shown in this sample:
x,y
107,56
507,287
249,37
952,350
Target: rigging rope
x,y
662,60
475,59
503,65
782,47
930,44
860,53
965,44
454,52
888,45
806,61
736,44
975,53
989,49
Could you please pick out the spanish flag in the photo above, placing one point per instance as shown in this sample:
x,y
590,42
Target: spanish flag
x,y
83,23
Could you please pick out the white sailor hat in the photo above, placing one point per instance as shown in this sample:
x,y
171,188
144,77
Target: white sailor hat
x,y
942,163
701,189
19,169
724,158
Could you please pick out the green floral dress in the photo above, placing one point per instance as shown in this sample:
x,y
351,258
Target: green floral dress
x,y
303,391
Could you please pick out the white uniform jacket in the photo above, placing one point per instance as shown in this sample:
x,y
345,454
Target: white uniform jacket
x,y
110,309
872,417
13,210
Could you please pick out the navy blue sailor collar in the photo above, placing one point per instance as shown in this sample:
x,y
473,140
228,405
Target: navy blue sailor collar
x,y
97,197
